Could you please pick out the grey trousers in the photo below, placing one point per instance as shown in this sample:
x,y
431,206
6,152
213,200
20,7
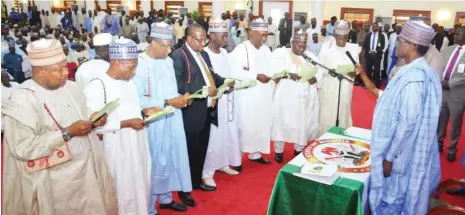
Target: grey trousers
x,y
455,111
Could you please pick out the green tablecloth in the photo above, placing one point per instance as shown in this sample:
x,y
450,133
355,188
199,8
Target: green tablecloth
x,y
293,195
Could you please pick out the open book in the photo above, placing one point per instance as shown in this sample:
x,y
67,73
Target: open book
x,y
109,106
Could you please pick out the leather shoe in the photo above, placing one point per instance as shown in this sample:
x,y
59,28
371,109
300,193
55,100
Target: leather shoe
x,y
441,147
187,199
456,192
237,168
451,157
279,157
174,206
261,160
296,153
206,187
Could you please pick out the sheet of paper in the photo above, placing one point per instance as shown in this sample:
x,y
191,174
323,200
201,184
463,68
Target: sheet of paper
x,y
245,84
200,94
356,132
306,73
320,179
280,74
221,91
319,169
167,110
109,106
344,69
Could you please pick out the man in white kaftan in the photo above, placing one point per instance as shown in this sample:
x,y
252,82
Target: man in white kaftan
x,y
96,67
252,60
296,103
125,141
223,147
328,94
272,31
46,117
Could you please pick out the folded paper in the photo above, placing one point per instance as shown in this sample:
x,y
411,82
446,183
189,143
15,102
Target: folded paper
x,y
109,106
306,73
167,110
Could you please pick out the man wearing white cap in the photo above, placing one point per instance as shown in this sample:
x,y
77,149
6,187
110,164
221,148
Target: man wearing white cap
x,y
332,58
252,60
53,160
156,86
223,147
97,67
125,141
403,176
296,103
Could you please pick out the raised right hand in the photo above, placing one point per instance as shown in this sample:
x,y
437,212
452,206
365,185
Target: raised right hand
x,y
80,128
263,78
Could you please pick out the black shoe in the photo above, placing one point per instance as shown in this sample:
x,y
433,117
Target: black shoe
x,y
451,157
456,192
206,187
261,160
237,168
174,206
441,147
296,153
187,199
279,157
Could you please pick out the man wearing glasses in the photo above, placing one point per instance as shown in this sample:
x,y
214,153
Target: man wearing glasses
x,y
194,72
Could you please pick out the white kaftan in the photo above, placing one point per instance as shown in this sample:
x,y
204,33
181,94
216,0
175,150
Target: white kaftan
x,y
328,93
271,39
255,114
296,105
90,70
223,147
126,150
80,186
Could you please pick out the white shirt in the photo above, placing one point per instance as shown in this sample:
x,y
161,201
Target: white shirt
x,y
310,31
199,61
90,70
462,51
445,43
374,36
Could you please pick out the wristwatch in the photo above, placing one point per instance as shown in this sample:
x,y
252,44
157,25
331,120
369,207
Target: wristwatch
x,y
143,114
66,134
166,103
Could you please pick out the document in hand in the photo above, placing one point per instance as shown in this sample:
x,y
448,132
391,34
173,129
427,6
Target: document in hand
x,y
280,74
200,94
344,69
223,88
167,110
307,72
109,106
245,84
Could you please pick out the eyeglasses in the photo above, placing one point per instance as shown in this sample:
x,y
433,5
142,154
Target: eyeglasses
x,y
200,41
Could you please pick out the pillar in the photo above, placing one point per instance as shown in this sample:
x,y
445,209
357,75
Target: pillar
x,y
217,9
145,5
90,5
9,5
317,8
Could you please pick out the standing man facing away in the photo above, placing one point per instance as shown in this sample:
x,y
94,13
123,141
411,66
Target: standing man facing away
x,y
403,176
223,148
156,86
251,61
47,116
193,72
99,65
125,141
453,88
296,104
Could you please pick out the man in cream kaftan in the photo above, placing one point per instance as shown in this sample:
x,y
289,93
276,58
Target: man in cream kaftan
x,y
82,185
126,149
332,58
254,103
296,104
223,147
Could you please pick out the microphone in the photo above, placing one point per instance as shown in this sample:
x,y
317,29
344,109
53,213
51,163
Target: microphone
x,y
306,57
351,58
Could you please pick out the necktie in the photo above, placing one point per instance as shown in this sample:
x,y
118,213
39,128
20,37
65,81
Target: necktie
x,y
209,76
451,66
373,42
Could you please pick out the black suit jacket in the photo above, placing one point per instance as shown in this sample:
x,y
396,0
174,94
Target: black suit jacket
x,y
190,81
438,39
379,44
352,36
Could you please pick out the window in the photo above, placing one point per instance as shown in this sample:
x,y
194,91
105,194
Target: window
x,y
359,14
206,8
402,16
173,6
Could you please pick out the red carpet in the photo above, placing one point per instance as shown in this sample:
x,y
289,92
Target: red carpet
x,y
248,193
